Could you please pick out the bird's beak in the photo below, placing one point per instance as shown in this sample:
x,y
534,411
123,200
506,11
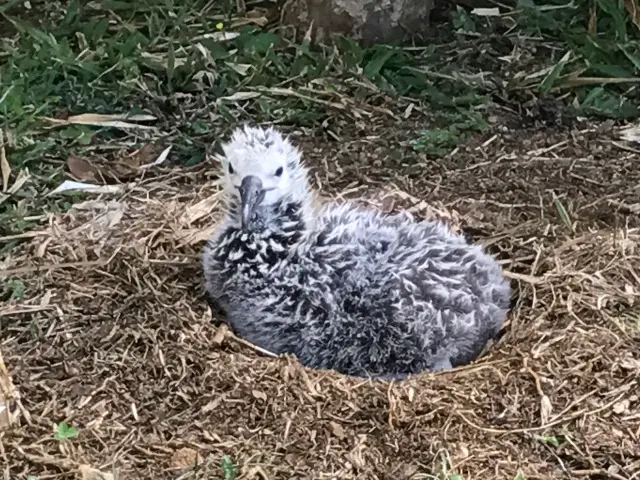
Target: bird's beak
x,y
251,194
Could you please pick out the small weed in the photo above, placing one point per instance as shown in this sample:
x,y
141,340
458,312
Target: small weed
x,y
64,431
16,289
549,440
35,330
437,142
563,214
229,470
446,471
462,21
440,141
453,476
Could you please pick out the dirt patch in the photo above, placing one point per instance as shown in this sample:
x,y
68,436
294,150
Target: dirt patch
x,y
114,336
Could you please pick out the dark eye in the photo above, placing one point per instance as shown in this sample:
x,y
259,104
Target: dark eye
x,y
279,171
231,169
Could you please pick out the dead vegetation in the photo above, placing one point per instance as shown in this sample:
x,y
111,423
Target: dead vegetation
x,y
114,338
115,368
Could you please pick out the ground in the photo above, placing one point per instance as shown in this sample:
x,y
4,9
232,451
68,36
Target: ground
x,y
121,371
119,343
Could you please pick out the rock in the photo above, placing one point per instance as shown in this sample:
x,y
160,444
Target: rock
x,y
370,21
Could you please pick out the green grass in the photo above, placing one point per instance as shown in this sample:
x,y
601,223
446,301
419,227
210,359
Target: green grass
x,y
166,58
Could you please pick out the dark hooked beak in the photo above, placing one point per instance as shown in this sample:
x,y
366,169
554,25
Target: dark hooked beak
x,y
251,194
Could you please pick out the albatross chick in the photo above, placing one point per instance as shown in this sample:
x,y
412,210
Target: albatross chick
x,y
343,287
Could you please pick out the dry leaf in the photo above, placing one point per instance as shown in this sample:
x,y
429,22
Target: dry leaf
x,y
257,13
630,134
185,458
101,120
358,455
246,20
200,209
630,364
629,290
112,123
621,407
240,68
220,335
82,168
217,36
88,187
98,117
23,176
4,164
90,473
160,159
634,11
259,395
258,16
486,12
592,27
46,298
255,473
212,405
103,217
545,409
223,36
238,96
463,451
337,430
129,166
141,156
195,236
411,393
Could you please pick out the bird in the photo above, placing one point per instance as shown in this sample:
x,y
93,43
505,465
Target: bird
x,y
342,287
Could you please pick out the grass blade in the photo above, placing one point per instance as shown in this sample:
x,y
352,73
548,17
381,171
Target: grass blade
x,y
547,84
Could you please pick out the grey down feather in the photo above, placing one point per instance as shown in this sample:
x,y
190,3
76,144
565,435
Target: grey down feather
x,y
342,287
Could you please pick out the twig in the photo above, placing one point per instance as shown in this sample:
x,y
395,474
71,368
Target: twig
x,y
246,343
581,413
53,266
523,277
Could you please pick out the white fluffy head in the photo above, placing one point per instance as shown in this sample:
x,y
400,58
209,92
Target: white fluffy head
x,y
264,153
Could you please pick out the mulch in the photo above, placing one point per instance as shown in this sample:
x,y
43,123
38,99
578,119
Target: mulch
x,y
115,338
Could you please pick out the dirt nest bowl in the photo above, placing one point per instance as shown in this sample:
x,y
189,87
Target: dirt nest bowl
x,y
114,337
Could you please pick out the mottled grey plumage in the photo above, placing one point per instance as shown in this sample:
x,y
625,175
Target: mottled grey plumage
x,y
342,287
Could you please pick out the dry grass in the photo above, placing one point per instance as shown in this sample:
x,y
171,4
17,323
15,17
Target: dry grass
x,y
113,335
8,397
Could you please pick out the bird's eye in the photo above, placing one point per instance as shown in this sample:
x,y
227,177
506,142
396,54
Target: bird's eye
x,y
231,169
279,171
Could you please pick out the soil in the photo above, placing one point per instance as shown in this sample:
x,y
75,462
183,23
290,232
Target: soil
x,y
115,338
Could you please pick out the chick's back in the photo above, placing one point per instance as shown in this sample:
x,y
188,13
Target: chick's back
x,y
412,280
